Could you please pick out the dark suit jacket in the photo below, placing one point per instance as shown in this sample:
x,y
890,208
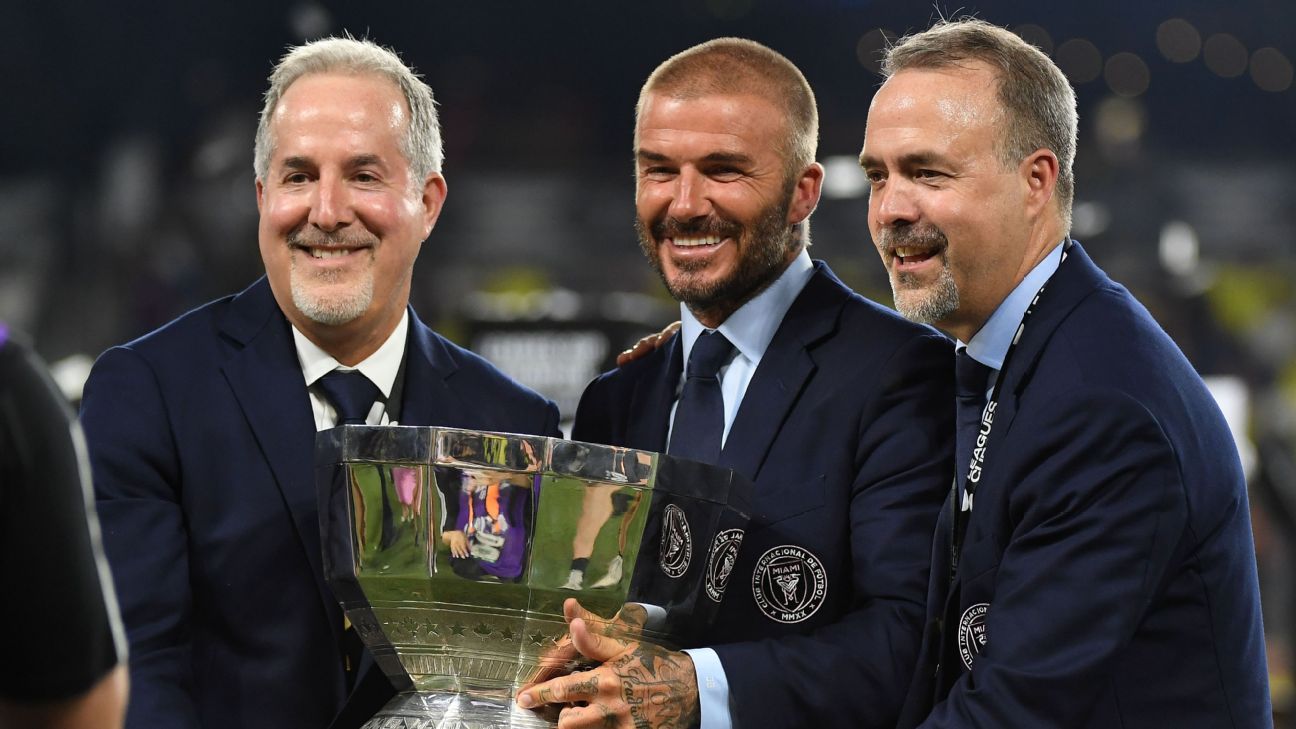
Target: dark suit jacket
x,y
1109,557
201,440
846,430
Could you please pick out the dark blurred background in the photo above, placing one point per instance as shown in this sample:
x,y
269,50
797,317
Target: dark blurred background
x,y
126,185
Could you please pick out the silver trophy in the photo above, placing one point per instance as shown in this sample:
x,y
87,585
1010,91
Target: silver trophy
x,y
452,551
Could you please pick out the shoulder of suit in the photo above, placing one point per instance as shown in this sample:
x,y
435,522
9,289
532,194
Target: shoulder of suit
x,y
458,361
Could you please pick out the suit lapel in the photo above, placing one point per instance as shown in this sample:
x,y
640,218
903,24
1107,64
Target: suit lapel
x,y
650,403
783,372
267,382
428,398
1075,279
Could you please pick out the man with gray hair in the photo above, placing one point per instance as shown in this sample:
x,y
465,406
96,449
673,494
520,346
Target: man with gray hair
x,y
201,434
1094,565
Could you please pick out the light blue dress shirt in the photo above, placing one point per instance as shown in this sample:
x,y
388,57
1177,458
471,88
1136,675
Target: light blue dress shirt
x,y
990,345
750,329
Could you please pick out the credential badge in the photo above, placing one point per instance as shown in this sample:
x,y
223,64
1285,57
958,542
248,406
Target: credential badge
x,y
676,542
724,552
789,584
972,632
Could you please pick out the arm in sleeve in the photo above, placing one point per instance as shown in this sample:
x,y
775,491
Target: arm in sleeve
x,y
855,672
1097,509
136,475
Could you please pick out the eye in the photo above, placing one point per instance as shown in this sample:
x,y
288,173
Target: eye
x,y
366,177
928,174
724,174
297,178
658,172
875,177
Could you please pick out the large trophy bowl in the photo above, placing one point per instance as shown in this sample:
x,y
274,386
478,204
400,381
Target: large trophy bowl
x,y
452,551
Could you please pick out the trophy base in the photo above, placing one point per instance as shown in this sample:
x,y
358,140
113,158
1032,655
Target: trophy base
x,y
428,710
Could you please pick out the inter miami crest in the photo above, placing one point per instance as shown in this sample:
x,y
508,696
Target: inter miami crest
x,y
676,551
972,632
789,584
724,553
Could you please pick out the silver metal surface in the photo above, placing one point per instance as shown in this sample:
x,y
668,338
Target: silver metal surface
x,y
451,553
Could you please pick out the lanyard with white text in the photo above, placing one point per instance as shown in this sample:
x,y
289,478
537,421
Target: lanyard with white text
x,y
962,508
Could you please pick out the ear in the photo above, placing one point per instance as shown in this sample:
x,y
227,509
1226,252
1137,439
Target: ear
x,y
1039,173
433,198
805,196
260,193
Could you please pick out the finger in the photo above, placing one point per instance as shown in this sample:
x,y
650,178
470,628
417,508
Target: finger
x,y
582,686
594,716
554,661
593,643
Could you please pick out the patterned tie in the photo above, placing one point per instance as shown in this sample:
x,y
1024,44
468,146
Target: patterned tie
x,y
699,418
351,394
971,378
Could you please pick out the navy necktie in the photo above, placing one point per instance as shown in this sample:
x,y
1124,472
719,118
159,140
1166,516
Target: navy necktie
x,y
351,394
699,417
971,378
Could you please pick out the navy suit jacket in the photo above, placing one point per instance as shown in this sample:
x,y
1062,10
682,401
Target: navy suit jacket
x,y
201,439
846,430
1109,563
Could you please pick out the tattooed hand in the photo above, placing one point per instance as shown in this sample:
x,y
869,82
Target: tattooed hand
x,y
638,685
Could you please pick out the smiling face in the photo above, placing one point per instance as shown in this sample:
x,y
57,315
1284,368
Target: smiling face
x,y
956,228
716,208
341,219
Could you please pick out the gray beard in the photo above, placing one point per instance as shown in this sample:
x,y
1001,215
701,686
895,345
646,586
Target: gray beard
x,y
335,310
926,307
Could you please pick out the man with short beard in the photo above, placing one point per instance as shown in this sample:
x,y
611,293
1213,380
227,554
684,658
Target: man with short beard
x,y
202,433
1096,567
836,408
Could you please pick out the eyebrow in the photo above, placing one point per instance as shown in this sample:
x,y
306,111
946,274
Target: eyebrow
x,y
913,159
298,162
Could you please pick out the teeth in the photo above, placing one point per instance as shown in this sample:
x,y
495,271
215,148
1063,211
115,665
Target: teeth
x,y
906,252
690,242
329,252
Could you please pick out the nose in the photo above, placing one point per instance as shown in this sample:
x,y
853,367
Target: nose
x,y
893,203
690,199
331,206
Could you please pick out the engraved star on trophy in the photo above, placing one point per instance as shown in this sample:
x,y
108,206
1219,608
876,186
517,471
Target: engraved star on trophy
x,y
451,552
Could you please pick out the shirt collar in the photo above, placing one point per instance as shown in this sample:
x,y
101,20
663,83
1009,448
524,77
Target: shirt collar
x,y
751,328
990,345
380,367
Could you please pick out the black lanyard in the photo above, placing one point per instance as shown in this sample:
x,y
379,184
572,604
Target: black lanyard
x,y
962,508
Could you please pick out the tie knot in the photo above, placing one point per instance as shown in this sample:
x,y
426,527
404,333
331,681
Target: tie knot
x,y
351,393
971,377
709,352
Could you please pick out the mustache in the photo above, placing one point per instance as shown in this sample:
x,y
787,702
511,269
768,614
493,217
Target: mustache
x,y
311,237
695,227
912,236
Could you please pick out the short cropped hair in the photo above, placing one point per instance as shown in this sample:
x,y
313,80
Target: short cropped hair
x,y
421,143
740,66
1036,96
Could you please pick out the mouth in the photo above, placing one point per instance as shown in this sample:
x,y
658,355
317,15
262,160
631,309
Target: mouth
x,y
912,255
325,253
695,244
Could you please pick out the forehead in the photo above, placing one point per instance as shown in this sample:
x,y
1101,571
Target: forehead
x,y
321,106
942,106
725,123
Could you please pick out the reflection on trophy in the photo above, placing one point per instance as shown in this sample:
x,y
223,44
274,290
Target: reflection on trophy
x,y
452,552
